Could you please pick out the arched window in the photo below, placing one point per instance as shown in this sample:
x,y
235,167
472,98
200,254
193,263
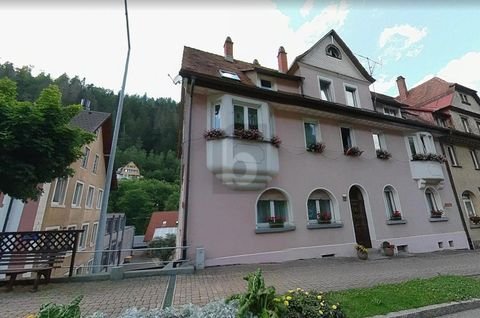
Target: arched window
x,y
467,198
391,203
433,202
272,206
321,207
333,51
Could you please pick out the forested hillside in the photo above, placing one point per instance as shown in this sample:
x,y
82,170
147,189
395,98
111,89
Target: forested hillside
x,y
148,137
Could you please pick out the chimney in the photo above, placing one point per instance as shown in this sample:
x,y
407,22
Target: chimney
x,y
402,88
228,49
282,60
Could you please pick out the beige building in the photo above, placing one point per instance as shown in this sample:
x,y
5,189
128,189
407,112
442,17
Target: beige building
x,y
454,106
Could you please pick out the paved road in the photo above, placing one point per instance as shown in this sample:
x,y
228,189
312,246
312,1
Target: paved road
x,y
475,313
113,297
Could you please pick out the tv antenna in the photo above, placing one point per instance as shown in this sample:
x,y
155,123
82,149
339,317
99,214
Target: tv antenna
x,y
176,80
372,64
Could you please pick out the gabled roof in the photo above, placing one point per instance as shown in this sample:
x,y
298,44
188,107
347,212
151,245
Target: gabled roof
x,y
157,221
344,47
385,99
89,120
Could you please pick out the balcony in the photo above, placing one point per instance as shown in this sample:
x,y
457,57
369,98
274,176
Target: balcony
x,y
427,172
242,164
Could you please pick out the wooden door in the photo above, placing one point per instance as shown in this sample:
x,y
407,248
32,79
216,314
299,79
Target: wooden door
x,y
359,217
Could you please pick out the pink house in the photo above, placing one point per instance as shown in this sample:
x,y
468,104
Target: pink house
x,y
300,162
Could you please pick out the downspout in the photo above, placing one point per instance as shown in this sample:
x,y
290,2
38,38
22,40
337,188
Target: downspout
x,y
9,211
187,176
459,205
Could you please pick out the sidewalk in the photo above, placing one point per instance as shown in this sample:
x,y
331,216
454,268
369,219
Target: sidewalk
x,y
113,297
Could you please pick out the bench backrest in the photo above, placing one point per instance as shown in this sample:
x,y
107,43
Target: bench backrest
x,y
34,259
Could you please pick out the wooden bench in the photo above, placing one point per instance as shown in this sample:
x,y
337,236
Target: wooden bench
x,y
35,252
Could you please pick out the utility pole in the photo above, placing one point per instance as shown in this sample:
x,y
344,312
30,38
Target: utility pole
x,y
108,181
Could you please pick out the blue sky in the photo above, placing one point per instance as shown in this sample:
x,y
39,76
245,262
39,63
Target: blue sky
x,y
87,38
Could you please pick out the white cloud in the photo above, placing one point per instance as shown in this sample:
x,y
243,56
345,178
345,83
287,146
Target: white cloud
x,y
91,42
463,70
384,85
401,40
306,8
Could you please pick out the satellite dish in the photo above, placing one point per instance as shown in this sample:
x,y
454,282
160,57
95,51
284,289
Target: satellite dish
x,y
176,80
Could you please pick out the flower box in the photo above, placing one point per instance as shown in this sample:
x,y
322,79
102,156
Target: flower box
x,y
248,134
436,214
475,219
383,154
317,147
353,152
276,222
428,157
324,217
275,141
396,215
213,134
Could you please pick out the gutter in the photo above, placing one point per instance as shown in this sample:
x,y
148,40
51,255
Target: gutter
x,y
187,176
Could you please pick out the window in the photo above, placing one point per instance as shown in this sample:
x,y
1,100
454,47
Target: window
x,y
320,205
351,96
442,122
95,163
473,153
272,203
466,125
230,75
421,143
71,227
89,201
93,234
311,133
478,126
467,202
325,90
60,191
391,201
333,51
452,155
245,117
83,237
411,144
390,111
464,99
99,198
378,141
215,120
267,84
346,138
433,202
77,195
86,153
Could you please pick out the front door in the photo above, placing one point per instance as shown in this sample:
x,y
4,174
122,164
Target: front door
x,y
359,216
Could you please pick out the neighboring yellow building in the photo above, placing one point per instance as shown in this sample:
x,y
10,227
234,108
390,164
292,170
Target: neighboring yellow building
x,y
129,171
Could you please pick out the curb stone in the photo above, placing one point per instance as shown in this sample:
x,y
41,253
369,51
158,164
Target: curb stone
x,y
434,310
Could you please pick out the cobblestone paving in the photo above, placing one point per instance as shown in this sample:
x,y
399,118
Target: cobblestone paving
x,y
109,297
323,274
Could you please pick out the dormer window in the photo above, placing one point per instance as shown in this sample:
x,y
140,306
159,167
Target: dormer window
x,y
464,99
267,83
230,75
390,111
333,51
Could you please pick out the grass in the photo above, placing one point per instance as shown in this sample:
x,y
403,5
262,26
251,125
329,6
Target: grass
x,y
385,298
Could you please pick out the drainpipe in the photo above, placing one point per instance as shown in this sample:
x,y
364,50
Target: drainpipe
x,y
9,211
187,176
457,200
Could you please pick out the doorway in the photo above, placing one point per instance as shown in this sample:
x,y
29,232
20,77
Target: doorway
x,y
359,216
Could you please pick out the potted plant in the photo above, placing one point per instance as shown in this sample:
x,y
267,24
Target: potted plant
x,y
213,134
249,134
396,215
275,141
383,154
436,213
475,219
388,249
362,252
353,152
316,147
324,217
276,221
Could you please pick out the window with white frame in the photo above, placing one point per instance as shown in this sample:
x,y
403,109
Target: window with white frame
x,y
351,96
321,207
433,201
311,129
86,154
99,199
411,145
60,191
267,83
272,204
391,202
466,124
245,117
347,138
95,163
467,202
77,194
333,51
93,234
326,90
452,155
379,141
390,111
464,99
442,122
82,242
421,143
90,194
473,154
215,119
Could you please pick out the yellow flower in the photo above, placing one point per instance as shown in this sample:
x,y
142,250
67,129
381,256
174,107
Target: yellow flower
x,y
285,302
334,307
289,298
276,299
320,312
291,291
322,303
306,293
299,289
319,297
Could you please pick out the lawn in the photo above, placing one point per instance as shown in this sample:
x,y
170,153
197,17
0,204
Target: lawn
x,y
385,298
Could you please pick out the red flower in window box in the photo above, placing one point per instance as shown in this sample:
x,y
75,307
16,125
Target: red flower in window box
x,y
436,214
316,147
276,221
249,134
324,217
396,215
353,152
213,134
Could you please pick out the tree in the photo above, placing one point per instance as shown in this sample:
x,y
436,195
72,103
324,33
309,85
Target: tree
x,y
37,143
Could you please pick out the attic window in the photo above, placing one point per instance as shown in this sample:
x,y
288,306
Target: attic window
x,y
230,75
333,51
266,83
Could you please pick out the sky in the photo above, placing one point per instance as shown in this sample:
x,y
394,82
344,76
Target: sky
x,y
88,38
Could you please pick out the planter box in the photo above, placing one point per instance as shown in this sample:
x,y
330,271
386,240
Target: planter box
x,y
276,225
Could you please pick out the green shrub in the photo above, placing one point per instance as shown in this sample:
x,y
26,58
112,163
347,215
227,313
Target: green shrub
x,y
168,241
52,310
309,304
